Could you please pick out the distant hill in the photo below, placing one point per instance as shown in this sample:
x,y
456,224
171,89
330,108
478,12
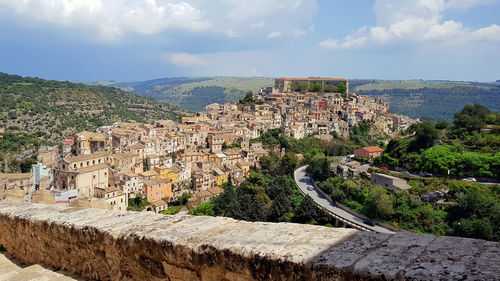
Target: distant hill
x,y
194,93
56,109
439,100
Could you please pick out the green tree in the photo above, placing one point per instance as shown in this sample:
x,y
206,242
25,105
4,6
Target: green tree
x,y
184,198
300,87
271,163
472,118
342,88
281,205
379,202
385,160
204,209
317,87
289,163
319,168
306,211
425,136
441,125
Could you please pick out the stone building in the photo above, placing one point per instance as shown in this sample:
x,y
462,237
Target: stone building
x,y
389,182
368,152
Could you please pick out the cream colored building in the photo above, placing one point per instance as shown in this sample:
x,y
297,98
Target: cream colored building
x,y
115,198
83,173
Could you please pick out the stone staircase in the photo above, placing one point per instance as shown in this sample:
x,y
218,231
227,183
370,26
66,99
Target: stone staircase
x,y
10,271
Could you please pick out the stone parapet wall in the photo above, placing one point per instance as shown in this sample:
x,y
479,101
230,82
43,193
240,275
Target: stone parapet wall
x,y
109,245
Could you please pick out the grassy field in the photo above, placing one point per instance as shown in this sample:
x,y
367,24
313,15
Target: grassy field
x,y
194,93
411,85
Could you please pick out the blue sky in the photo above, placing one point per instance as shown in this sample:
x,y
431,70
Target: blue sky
x,y
144,39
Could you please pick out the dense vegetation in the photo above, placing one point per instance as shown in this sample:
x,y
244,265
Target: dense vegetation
x,y
13,142
61,108
303,87
438,100
470,147
32,108
195,93
268,194
440,206
469,209
137,204
312,147
197,98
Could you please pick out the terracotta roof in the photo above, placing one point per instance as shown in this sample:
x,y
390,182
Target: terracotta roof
x,y
372,149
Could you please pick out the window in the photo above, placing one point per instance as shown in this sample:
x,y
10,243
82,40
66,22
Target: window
x,y
87,163
74,166
93,161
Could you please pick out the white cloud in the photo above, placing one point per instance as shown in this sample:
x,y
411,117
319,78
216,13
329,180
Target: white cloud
x,y
185,59
491,32
414,21
233,34
466,4
111,19
274,35
262,17
257,25
298,32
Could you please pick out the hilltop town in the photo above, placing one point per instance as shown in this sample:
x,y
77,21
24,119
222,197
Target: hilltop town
x,y
162,160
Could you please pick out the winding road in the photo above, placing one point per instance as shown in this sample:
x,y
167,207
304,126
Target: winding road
x,y
306,186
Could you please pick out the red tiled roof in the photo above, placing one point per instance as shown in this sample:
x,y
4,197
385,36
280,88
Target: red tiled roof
x,y
372,148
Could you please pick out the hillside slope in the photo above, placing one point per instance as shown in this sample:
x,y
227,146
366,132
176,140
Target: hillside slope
x,y
57,109
439,100
194,93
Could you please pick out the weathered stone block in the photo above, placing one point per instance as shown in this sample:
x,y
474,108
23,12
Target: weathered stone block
x,y
107,245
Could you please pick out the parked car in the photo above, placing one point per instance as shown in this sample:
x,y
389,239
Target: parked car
x,y
470,179
310,188
406,173
384,168
424,174
369,222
